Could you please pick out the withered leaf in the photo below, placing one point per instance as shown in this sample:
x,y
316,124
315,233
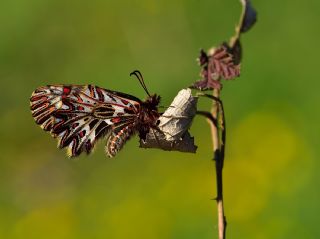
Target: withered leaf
x,y
177,119
219,65
157,140
172,134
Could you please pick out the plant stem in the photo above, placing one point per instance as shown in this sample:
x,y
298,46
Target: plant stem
x,y
218,141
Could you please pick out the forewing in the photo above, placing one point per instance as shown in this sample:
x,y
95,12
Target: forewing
x,y
79,115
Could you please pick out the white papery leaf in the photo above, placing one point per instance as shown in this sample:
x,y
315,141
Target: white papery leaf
x,y
174,123
177,119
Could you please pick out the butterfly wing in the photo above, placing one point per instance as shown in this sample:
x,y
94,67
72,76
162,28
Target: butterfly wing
x,y
78,115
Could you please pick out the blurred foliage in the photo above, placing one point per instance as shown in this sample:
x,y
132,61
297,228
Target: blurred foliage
x,y
271,182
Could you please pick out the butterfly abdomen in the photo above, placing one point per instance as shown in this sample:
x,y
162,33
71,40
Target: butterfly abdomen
x,y
117,139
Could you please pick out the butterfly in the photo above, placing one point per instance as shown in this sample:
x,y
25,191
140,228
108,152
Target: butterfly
x,y
79,115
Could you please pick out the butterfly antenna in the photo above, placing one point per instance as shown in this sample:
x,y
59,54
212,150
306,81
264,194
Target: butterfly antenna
x,y
140,78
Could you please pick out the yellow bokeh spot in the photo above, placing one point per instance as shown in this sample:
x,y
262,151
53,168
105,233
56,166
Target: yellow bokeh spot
x,y
261,149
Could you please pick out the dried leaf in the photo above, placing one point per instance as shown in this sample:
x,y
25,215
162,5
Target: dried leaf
x,y
220,64
177,119
174,123
156,139
224,62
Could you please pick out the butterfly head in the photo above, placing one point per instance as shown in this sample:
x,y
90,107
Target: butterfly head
x,y
152,102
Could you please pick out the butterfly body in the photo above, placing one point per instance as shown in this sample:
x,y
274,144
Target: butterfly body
x,y
79,115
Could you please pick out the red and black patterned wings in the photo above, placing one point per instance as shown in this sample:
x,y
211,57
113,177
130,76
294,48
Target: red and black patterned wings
x,y
78,115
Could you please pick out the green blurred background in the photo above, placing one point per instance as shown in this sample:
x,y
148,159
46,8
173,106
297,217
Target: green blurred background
x,y
270,177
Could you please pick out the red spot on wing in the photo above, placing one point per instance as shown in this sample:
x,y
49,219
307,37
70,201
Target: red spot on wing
x,y
125,101
66,90
79,98
74,125
80,108
81,133
116,120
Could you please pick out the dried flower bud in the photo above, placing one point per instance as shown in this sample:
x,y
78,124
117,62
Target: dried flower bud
x,y
249,16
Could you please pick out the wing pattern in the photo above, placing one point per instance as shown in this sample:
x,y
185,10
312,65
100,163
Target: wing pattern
x,y
78,115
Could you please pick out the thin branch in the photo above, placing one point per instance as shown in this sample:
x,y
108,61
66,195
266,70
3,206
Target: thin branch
x,y
216,120
219,122
208,115
218,142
